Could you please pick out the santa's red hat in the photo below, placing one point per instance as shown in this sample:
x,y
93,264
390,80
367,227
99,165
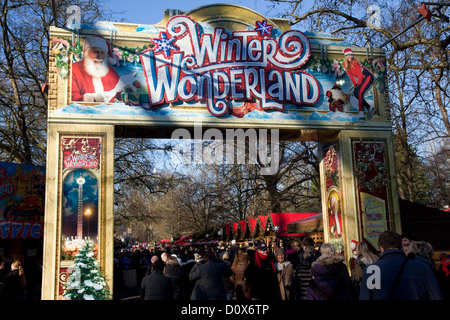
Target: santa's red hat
x,y
98,42
348,51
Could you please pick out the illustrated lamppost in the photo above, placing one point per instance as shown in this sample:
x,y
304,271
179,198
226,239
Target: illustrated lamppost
x,y
80,182
88,213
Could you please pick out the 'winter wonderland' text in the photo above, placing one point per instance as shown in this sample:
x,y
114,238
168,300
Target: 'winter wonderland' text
x,y
186,64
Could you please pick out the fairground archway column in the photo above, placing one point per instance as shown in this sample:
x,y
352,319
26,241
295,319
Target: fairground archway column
x,y
79,157
358,189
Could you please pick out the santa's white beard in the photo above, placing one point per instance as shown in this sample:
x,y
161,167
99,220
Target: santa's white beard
x,y
95,70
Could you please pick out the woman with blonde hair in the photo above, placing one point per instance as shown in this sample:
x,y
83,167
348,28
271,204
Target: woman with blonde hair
x,y
364,257
368,257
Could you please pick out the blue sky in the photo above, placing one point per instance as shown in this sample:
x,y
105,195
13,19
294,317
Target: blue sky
x,y
151,12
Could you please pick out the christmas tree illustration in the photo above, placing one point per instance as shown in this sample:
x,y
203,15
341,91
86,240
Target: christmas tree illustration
x,y
86,282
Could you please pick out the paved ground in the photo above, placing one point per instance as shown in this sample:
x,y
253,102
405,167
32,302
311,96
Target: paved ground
x,y
127,294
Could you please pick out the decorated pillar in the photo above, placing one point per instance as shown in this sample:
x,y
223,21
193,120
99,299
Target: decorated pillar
x,y
359,192
331,173
79,202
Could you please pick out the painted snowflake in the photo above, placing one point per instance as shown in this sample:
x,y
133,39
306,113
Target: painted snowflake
x,y
164,44
263,27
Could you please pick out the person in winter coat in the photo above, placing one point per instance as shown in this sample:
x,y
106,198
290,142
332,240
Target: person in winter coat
x,y
232,250
156,286
208,276
251,249
302,272
335,270
179,279
423,251
238,267
284,274
399,277
14,288
229,285
187,267
261,275
324,285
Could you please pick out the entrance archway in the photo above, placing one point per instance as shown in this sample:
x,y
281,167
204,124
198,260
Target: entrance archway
x,y
226,67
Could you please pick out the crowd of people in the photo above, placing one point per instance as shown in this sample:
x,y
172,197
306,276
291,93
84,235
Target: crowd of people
x,y
307,271
404,269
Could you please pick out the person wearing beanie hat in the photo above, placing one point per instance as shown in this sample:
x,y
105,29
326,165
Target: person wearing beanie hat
x,y
93,80
262,246
261,275
362,80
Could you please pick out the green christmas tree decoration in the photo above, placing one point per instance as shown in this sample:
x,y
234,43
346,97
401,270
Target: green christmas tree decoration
x,y
86,281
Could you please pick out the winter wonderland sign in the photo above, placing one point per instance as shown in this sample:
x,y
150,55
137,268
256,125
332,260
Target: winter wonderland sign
x,y
222,66
196,68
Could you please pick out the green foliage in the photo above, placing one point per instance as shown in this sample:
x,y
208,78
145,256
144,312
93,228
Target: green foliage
x,y
86,282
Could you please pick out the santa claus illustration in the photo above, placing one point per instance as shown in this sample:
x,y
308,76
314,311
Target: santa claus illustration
x,y
335,218
93,79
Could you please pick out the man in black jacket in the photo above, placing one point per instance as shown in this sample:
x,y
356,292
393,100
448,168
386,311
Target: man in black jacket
x,y
156,286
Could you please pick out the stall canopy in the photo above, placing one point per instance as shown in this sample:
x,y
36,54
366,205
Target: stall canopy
x,y
184,240
235,228
227,230
252,223
262,221
283,224
243,224
164,241
280,221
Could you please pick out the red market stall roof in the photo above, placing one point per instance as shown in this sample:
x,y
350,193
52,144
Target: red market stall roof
x,y
253,222
183,240
282,219
227,230
164,240
262,221
279,220
235,227
243,225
